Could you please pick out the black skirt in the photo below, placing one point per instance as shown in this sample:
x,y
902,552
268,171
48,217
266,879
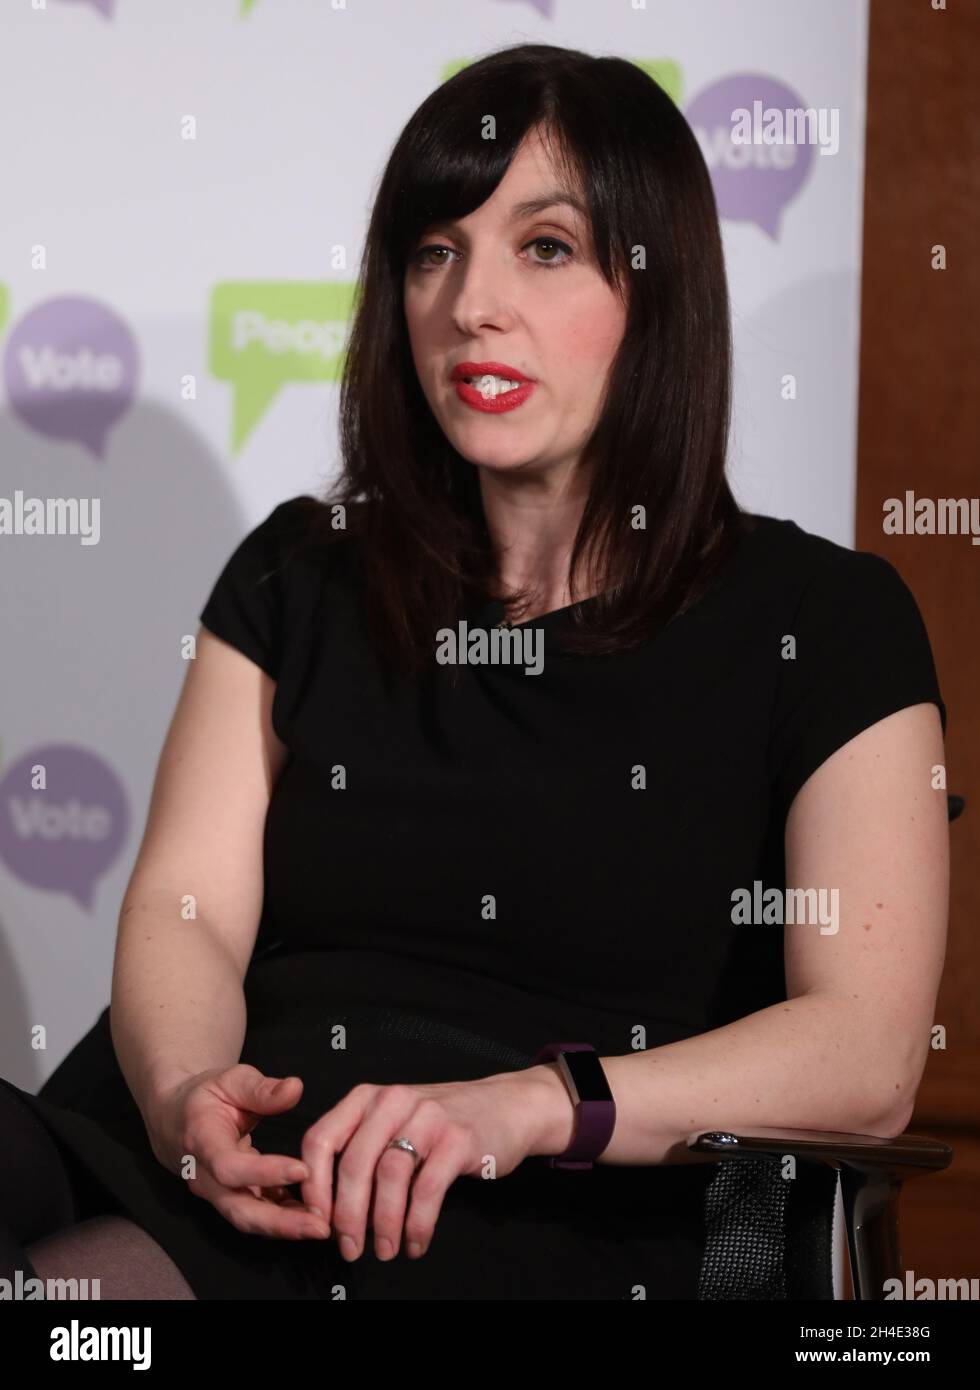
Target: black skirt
x,y
607,1233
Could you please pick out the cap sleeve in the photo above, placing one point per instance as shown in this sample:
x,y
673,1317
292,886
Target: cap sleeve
x,y
246,605
862,653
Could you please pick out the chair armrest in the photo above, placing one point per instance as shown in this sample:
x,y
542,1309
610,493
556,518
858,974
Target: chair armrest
x,y
907,1155
871,1173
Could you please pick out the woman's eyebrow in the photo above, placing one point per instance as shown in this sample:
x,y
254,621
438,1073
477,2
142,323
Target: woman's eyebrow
x,y
556,198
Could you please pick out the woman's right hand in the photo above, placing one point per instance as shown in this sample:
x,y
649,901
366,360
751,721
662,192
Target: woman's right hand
x,y
210,1116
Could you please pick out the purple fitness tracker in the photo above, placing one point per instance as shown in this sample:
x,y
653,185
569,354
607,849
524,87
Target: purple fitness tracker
x,y
595,1109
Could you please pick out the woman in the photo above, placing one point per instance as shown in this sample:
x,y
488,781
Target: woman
x,y
389,857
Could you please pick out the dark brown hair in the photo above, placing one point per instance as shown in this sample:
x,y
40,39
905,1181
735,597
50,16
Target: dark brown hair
x,y
661,439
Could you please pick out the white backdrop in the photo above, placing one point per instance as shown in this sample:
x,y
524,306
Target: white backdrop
x,y
165,148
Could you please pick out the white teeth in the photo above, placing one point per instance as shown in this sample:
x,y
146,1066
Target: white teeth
x,y
492,385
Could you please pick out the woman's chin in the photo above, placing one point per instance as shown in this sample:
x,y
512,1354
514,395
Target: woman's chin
x,y
495,460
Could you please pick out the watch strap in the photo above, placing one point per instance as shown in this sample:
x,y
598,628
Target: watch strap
x,y
595,1119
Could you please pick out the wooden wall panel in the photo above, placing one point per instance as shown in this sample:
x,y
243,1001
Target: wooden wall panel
x,y
919,430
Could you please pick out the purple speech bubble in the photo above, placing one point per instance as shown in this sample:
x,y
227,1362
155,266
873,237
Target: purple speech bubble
x,y
546,8
104,7
64,837
70,370
752,182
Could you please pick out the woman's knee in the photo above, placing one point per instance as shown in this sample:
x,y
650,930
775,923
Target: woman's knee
x,y
125,1260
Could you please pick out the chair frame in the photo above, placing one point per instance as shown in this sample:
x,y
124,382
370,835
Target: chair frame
x,y
871,1171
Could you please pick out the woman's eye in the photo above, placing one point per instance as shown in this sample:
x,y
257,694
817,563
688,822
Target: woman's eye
x,y
550,244
552,241
419,257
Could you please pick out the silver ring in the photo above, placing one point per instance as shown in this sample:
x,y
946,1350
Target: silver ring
x,y
408,1147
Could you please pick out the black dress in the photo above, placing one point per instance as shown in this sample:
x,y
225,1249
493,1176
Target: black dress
x,y
607,807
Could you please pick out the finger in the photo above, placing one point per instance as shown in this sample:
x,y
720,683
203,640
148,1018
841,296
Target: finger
x,y
292,1202
214,1140
393,1177
368,1166
233,1169
249,1089
256,1216
448,1159
247,1098
323,1141
245,1145
242,1096
282,1195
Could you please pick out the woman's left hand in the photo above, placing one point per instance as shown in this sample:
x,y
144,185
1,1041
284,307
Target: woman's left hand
x,y
482,1128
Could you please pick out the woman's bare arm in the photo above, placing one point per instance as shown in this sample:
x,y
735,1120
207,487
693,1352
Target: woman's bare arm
x,y
178,1006
846,1050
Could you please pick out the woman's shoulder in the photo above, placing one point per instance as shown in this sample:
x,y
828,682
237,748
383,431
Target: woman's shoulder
x,y
803,561
273,584
843,634
305,522
301,543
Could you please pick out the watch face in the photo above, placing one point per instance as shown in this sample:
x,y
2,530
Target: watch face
x,y
588,1077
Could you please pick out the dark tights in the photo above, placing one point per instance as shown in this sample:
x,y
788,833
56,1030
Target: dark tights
x,y
57,1224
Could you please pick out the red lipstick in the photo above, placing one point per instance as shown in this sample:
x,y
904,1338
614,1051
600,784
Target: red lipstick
x,y
491,401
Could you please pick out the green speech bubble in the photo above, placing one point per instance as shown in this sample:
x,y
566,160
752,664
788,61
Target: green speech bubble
x,y
267,333
247,6
666,72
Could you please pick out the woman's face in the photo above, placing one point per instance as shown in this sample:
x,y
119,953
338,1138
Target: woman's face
x,y
500,288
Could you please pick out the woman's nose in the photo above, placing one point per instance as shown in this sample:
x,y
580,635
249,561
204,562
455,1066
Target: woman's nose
x,y
480,297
